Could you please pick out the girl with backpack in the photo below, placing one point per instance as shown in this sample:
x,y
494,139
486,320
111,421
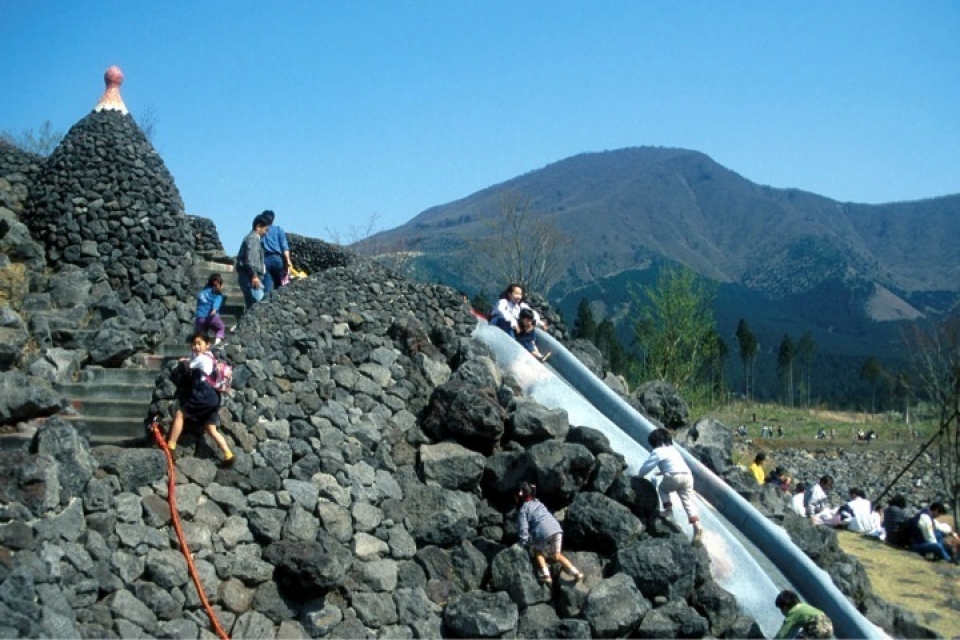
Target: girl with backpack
x,y
200,401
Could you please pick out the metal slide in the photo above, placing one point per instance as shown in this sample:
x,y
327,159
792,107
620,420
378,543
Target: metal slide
x,y
813,584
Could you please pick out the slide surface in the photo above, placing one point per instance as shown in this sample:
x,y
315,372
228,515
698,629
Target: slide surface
x,y
596,405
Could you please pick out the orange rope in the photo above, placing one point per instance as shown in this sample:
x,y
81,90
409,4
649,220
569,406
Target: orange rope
x,y
172,499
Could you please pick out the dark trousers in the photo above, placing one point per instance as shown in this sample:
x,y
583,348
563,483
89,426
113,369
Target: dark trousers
x,y
276,269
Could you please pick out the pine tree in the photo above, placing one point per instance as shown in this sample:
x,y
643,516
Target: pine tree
x,y
748,351
585,327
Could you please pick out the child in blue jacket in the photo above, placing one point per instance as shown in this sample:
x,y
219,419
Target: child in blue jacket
x,y
209,301
539,529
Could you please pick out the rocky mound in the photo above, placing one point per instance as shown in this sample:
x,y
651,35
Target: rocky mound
x,y
105,197
377,450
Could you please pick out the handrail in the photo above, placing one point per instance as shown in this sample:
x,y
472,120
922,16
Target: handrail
x,y
812,582
184,548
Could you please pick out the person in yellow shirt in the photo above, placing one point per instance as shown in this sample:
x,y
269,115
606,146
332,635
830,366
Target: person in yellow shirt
x,y
757,467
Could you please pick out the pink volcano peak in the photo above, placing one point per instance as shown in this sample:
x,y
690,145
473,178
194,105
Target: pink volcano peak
x,y
111,100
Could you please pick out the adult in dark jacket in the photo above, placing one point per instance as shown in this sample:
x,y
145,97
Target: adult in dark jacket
x,y
895,518
250,265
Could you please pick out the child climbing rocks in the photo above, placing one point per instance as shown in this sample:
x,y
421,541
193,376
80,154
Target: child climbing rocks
x,y
200,404
539,529
676,478
209,301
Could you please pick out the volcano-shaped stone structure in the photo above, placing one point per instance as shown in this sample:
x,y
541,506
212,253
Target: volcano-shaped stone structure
x,y
105,196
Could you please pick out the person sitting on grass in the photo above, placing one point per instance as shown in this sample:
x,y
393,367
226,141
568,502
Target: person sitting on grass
x,y
895,519
756,467
779,478
796,502
816,503
857,514
926,534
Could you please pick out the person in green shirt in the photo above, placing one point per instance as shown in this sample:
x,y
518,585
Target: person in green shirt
x,y
801,620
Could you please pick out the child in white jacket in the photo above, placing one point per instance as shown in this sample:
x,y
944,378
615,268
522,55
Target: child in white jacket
x,y
676,478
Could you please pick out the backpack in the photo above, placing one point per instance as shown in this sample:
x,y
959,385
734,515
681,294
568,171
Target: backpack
x,y
222,377
819,626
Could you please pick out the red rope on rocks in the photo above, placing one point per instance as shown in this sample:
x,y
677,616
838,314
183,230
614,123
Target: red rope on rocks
x,y
172,499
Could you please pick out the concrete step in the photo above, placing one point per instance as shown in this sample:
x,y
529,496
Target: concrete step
x,y
207,267
111,408
115,430
15,440
127,376
80,391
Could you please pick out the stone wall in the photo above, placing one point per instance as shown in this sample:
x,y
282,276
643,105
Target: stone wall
x,y
105,197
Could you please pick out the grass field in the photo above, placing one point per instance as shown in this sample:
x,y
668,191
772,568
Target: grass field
x,y
800,423
931,590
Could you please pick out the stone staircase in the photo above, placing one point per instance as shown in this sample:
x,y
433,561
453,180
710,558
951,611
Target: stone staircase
x,y
114,402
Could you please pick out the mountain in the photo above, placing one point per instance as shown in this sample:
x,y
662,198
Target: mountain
x,y
786,260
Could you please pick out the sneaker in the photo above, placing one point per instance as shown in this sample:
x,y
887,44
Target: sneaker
x,y
545,579
226,464
697,536
577,576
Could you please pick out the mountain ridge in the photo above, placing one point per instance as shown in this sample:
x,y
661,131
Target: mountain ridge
x,y
787,260
682,205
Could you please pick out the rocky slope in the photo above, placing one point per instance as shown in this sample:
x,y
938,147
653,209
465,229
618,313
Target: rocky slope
x,y
377,450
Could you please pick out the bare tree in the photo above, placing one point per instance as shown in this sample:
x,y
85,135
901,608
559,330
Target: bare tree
x,y
41,141
393,254
148,121
520,245
935,357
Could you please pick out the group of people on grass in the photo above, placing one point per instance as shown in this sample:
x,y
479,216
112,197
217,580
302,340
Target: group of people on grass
x,y
923,531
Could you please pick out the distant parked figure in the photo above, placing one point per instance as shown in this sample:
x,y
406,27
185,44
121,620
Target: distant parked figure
x,y
801,620
526,335
821,434
756,467
766,431
676,476
209,301
276,255
538,528
250,265
506,313
779,431
895,519
742,431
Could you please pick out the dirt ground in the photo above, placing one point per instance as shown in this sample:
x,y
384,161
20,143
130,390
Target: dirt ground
x,y
931,590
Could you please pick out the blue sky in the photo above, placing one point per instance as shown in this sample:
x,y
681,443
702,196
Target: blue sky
x,y
342,116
